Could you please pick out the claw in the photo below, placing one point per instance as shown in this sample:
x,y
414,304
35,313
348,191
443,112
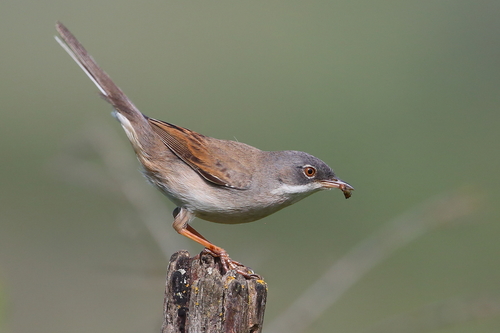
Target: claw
x,y
229,264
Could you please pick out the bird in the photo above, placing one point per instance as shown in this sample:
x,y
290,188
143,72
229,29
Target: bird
x,y
216,180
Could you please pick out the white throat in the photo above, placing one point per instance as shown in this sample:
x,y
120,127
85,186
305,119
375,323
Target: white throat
x,y
299,190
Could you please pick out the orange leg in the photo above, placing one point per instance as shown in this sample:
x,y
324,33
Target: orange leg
x,y
182,227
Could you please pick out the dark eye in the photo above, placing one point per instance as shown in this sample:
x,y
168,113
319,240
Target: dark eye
x,y
309,171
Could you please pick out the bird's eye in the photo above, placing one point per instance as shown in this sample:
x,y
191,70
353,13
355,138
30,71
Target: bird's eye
x,y
309,171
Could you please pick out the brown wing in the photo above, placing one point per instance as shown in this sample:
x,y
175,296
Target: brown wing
x,y
205,155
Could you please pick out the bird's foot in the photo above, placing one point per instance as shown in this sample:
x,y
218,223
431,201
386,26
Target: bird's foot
x,y
230,264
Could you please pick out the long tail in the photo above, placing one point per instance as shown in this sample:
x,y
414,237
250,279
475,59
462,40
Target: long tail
x,y
108,88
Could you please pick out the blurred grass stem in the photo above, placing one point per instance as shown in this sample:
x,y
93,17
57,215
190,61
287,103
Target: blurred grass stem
x,y
344,273
117,174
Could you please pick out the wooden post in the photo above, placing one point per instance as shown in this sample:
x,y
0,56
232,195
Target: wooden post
x,y
198,298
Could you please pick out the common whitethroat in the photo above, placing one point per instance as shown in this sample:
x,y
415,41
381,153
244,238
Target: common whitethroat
x,y
216,180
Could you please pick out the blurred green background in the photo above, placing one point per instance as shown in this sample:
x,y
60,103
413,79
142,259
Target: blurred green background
x,y
401,98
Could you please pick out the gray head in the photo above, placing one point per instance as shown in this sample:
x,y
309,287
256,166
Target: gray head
x,y
301,174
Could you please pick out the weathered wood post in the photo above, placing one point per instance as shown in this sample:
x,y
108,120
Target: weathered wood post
x,y
198,298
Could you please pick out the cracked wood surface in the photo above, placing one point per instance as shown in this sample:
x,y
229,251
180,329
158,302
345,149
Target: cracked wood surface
x,y
198,298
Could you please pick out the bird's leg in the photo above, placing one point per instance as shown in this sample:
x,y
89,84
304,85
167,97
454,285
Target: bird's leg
x,y
223,254
182,217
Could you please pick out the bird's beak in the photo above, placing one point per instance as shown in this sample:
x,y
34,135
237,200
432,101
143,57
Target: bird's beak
x,y
337,183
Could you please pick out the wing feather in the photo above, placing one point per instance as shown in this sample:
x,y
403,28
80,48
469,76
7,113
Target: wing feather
x,y
203,155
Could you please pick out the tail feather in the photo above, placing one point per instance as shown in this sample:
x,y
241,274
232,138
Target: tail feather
x,y
109,90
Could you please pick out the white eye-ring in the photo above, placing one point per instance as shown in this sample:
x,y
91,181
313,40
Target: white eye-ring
x,y
309,171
